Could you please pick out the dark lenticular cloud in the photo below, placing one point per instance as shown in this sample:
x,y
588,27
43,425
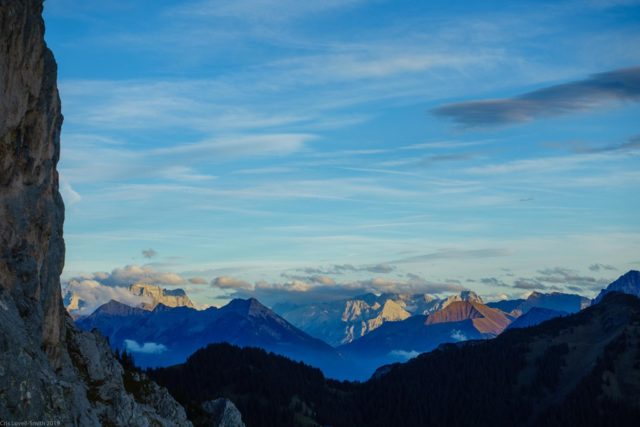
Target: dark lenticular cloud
x,y
149,253
616,85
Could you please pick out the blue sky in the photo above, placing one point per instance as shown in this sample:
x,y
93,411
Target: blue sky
x,y
422,146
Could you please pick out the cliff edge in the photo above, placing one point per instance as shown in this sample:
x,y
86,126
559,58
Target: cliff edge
x,y
49,371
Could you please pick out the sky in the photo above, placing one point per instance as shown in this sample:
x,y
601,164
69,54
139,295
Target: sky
x,y
306,150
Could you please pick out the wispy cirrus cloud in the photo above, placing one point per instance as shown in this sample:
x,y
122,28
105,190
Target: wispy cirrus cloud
x,y
598,267
493,281
455,254
350,268
561,279
630,145
87,160
567,276
595,91
531,285
247,117
245,145
581,157
260,11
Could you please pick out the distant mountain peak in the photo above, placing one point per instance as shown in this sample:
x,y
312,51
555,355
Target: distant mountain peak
x,y
116,308
249,307
559,301
82,301
391,310
159,295
468,296
487,320
628,283
456,311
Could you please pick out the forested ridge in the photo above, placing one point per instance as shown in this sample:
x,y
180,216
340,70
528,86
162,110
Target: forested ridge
x,y
582,369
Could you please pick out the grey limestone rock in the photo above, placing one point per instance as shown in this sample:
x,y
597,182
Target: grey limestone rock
x,y
223,413
49,371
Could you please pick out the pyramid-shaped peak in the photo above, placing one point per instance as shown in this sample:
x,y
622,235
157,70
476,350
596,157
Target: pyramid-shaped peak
x,y
456,311
249,306
116,308
628,283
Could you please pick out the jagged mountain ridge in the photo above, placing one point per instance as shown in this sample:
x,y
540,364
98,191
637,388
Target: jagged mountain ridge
x,y
581,369
567,371
568,303
399,341
147,295
176,333
179,331
158,295
341,322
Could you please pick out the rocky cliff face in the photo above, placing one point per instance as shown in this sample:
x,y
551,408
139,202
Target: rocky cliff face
x,y
49,371
31,209
222,413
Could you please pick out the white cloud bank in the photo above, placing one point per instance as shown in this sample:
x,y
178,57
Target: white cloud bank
x,y
83,294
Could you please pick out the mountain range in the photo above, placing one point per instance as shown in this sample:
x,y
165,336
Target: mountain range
x,y
168,335
390,327
575,369
399,341
147,296
569,303
579,369
343,321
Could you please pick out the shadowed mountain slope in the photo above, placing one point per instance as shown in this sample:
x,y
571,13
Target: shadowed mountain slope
x,y
172,334
628,283
582,369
